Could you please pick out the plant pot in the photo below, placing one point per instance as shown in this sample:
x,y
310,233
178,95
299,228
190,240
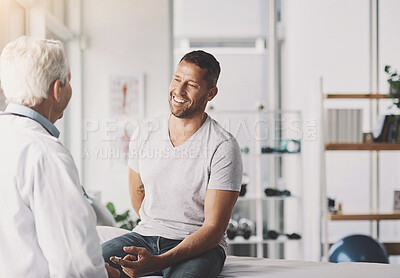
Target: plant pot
x,y
394,129
394,90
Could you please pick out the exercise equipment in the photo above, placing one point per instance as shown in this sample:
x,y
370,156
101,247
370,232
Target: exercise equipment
x,y
273,192
232,230
246,227
274,235
245,182
285,146
358,248
243,227
243,189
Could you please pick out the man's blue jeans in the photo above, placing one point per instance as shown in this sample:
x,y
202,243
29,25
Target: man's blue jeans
x,y
207,265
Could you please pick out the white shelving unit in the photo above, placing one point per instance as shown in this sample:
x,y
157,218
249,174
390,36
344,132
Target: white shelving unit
x,y
374,215
254,130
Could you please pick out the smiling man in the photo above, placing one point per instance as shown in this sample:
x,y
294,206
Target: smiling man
x,y
185,178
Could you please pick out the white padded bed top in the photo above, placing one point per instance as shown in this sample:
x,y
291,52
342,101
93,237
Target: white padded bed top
x,y
254,267
243,267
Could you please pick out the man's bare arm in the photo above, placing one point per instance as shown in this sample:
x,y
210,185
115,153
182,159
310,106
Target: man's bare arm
x,y
136,190
217,210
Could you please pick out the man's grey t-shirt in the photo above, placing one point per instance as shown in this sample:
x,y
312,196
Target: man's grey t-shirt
x,y
176,178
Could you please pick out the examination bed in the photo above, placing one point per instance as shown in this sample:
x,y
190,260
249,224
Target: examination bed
x,y
253,267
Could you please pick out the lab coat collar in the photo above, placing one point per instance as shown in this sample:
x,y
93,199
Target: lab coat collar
x,y
25,111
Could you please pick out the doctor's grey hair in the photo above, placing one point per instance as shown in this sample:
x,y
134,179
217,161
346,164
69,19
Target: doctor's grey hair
x,y
29,66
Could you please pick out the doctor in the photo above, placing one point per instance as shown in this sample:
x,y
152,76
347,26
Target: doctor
x,y
47,227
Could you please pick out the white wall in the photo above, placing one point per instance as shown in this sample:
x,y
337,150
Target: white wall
x,y
331,41
330,38
12,26
390,42
124,37
220,19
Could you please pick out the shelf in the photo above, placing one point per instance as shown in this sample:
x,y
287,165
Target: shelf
x,y
362,146
255,205
372,99
242,240
249,197
392,248
367,216
251,154
280,239
356,96
255,240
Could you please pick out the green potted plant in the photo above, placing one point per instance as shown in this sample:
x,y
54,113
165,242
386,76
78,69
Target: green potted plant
x,y
393,127
124,220
394,83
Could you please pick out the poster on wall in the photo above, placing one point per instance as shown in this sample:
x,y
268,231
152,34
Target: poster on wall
x,y
119,152
127,106
127,96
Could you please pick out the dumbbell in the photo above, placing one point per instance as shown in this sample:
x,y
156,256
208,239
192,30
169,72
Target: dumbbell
x,y
246,227
232,229
274,235
272,192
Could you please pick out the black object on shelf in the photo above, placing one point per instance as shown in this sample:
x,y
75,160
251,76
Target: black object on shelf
x,y
245,182
243,190
272,192
274,235
387,129
286,146
332,205
245,150
381,130
270,150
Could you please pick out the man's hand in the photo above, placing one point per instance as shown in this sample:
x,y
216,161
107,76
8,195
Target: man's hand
x,y
112,272
145,263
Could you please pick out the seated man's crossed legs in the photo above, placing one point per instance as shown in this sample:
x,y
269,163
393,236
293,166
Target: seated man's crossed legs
x,y
206,265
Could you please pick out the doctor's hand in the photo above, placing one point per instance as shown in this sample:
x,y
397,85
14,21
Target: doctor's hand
x,y
112,272
142,264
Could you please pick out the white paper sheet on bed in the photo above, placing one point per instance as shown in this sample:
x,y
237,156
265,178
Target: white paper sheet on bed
x,y
243,267
253,267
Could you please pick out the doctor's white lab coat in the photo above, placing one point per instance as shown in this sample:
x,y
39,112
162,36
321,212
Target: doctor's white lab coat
x,y
47,227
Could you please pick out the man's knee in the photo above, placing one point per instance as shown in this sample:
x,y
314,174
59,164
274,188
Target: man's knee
x,y
208,265
114,247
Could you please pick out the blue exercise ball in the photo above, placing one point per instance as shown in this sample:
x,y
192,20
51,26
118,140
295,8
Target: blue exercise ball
x,y
358,248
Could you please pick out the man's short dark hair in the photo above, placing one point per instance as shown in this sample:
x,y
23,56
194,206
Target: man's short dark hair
x,y
207,61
